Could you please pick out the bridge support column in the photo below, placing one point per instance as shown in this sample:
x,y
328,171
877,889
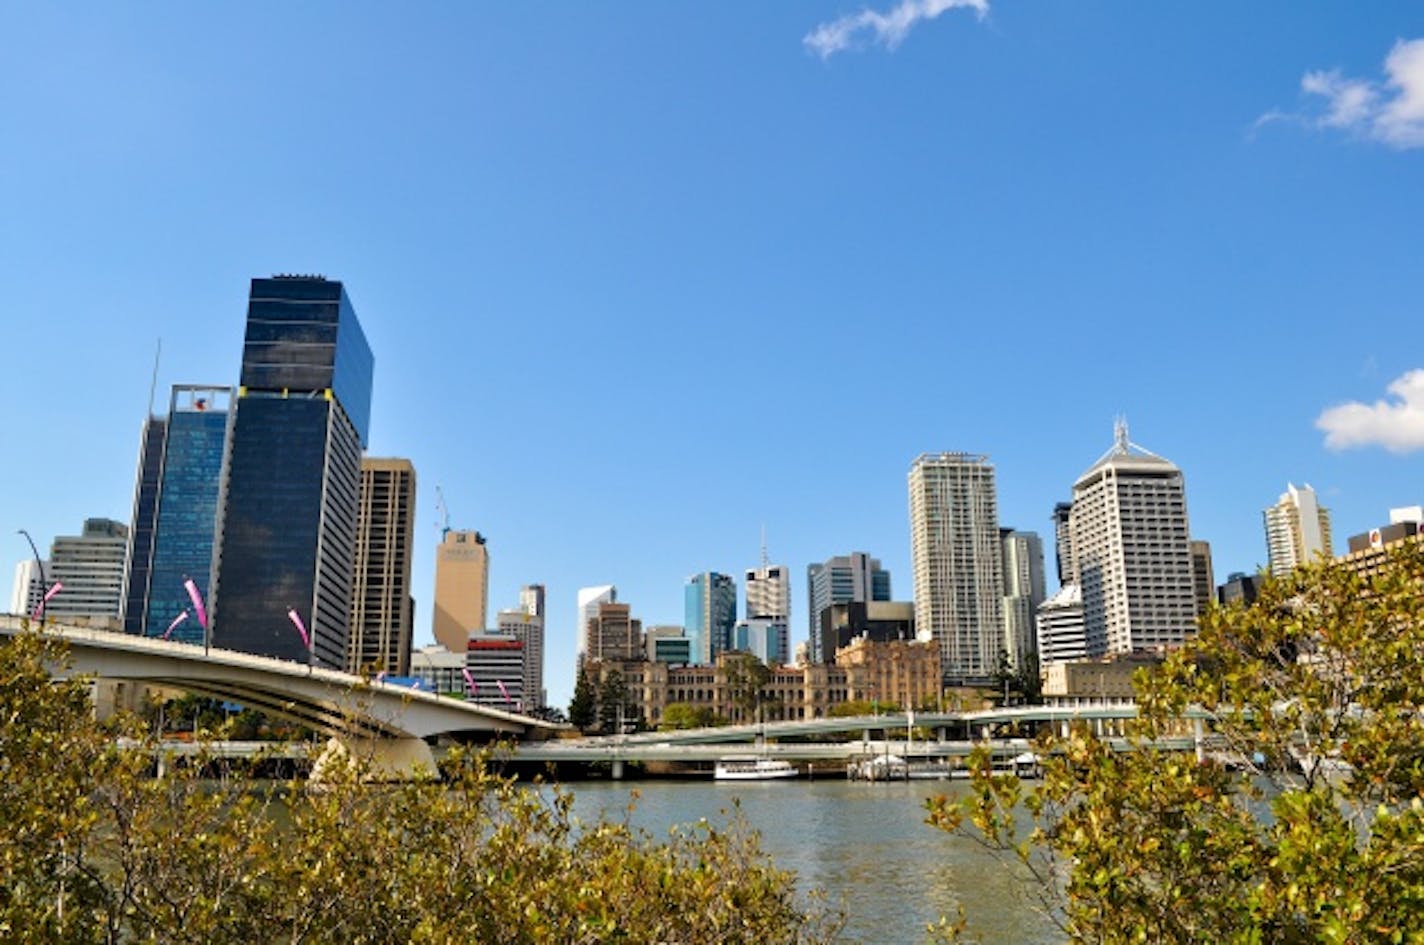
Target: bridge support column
x,y
940,733
617,769
381,759
1197,739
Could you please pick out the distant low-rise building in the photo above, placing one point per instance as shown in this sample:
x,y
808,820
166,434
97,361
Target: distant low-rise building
x,y
1092,683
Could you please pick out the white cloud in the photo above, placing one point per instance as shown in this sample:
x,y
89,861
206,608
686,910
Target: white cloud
x,y
1390,110
1396,424
888,29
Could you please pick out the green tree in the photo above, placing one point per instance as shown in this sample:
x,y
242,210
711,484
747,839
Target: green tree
x,y
97,848
613,706
746,677
1303,819
584,706
680,715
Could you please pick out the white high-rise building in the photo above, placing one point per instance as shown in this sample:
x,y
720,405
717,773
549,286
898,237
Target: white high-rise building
x,y
25,596
1061,634
1023,592
1297,530
957,559
91,568
769,592
1132,551
588,600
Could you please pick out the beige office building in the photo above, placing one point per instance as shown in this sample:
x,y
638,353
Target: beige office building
x,y
461,589
382,609
1131,551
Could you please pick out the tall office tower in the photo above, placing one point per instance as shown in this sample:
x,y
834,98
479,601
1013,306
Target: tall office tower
x,y
666,643
1297,529
614,633
1023,593
29,587
955,549
91,568
461,588
293,482
710,615
769,592
1062,636
144,522
840,580
531,599
1132,551
1063,541
528,629
175,520
1203,581
382,609
588,600
766,638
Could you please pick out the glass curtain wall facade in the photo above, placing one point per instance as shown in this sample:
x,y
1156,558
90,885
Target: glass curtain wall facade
x,y
293,481
185,510
145,520
710,612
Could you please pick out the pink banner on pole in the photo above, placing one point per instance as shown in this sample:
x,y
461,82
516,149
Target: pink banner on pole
x,y
381,676
503,691
296,620
54,589
470,681
197,600
176,621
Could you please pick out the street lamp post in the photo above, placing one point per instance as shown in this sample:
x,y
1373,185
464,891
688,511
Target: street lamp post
x,y
44,582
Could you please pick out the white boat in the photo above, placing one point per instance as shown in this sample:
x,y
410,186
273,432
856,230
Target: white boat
x,y
751,768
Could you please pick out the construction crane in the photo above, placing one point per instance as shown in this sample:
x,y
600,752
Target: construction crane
x,y
443,512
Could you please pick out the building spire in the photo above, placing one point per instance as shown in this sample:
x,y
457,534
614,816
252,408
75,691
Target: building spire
x,y
1120,440
765,559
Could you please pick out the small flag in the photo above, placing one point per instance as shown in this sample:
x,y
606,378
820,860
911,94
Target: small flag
x,y
296,620
197,600
470,681
381,676
54,589
176,621
503,691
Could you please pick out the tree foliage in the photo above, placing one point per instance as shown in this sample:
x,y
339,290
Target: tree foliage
x,y
680,715
746,678
1303,819
583,708
96,847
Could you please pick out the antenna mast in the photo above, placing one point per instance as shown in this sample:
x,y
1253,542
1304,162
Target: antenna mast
x,y
443,512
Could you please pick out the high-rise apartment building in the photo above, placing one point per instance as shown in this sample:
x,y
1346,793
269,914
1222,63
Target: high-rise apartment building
x,y
588,600
856,577
1132,551
382,607
531,599
461,588
528,628
710,614
1297,530
292,489
1023,593
90,565
173,536
496,665
957,559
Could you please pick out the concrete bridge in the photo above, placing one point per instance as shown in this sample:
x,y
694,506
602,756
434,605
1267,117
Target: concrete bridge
x,y
391,723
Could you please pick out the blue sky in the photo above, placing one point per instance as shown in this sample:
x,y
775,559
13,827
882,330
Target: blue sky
x,y
643,278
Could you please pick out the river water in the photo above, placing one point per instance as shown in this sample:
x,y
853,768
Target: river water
x,y
866,844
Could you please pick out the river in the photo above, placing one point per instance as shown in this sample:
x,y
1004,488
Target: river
x,y
865,844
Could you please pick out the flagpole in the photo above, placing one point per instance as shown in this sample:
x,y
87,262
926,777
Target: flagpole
x,y
44,582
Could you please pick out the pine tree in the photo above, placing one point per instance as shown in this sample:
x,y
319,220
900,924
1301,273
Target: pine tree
x,y
583,707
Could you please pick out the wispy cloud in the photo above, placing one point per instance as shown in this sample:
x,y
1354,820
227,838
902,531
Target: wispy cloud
x,y
887,29
1396,424
1390,110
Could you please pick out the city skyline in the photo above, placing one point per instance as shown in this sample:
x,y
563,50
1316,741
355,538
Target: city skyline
x,y
1035,221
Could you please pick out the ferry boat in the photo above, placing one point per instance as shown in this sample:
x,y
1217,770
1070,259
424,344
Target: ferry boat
x,y
753,769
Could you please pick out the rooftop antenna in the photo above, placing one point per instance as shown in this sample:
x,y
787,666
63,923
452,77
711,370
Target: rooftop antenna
x,y
1120,433
765,560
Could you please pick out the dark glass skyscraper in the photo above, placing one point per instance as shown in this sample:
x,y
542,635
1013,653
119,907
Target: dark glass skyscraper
x,y
176,511
294,473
